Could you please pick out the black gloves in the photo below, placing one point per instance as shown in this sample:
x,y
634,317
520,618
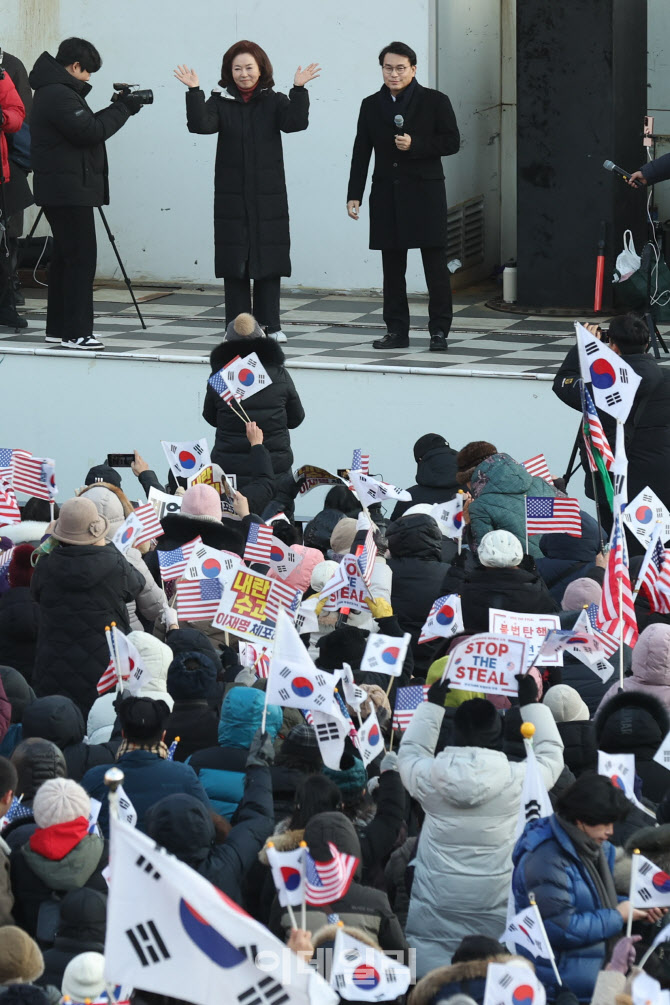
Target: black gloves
x,y
527,689
437,692
133,102
261,752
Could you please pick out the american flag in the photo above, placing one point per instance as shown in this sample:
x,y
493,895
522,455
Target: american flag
x,y
538,467
151,525
172,748
259,544
593,428
258,660
654,577
218,384
16,811
198,599
328,882
5,558
553,515
173,563
366,560
34,475
588,621
9,508
108,679
360,461
617,593
7,457
281,595
407,700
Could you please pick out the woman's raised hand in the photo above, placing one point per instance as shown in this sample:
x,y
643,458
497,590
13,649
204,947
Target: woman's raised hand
x,y
188,77
303,77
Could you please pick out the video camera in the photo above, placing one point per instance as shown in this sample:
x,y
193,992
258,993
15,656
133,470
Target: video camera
x,y
123,90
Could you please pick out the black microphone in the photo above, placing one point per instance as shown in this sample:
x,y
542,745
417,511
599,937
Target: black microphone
x,y
615,169
399,124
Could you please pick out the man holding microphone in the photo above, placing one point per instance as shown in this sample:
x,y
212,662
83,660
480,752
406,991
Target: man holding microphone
x,y
410,128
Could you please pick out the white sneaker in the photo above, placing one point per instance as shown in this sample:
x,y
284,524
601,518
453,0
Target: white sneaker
x,y
277,336
86,342
53,338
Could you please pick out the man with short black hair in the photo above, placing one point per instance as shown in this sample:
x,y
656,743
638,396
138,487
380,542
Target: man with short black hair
x,y
410,128
8,781
647,428
71,179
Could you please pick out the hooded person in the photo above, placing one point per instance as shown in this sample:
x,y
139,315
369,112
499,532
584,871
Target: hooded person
x,y
81,929
276,408
115,506
347,644
342,542
580,593
36,761
650,665
59,856
191,682
499,486
221,768
58,719
436,469
419,578
635,722
470,793
502,581
565,558
185,828
465,977
19,614
142,756
19,694
298,757
81,585
361,906
580,747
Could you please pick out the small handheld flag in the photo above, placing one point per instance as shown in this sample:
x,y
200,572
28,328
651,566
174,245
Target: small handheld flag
x,y
385,654
186,457
361,973
553,515
327,882
288,873
444,620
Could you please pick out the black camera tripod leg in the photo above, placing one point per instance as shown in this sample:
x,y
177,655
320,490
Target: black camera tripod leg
x,y
655,336
121,266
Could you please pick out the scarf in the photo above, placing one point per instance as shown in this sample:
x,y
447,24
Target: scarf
x,y
399,105
126,746
57,841
248,94
593,858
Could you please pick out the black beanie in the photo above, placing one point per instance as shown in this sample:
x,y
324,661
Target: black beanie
x,y
477,947
345,644
477,724
431,441
103,473
142,718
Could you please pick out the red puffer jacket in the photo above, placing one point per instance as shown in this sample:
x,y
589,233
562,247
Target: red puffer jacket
x,y
13,114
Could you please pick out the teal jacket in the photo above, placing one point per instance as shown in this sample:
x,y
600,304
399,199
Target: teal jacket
x,y
499,486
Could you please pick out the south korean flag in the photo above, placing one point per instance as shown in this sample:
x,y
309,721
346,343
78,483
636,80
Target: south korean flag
x,y
370,739
650,886
614,382
361,973
331,732
385,654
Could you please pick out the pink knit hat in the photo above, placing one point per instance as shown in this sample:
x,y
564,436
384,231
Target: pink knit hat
x,y
202,501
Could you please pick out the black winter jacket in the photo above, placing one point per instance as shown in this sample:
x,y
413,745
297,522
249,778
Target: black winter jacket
x,y
647,429
251,233
517,589
636,723
183,826
58,719
435,480
19,624
67,139
580,747
81,930
276,409
80,589
415,543
196,724
567,558
229,535
408,203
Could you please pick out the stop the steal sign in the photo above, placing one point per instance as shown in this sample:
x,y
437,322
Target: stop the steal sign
x,y
487,663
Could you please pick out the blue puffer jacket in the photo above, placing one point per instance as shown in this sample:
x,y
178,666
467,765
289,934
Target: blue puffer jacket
x,y
546,863
222,769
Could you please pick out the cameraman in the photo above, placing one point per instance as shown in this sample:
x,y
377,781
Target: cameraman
x,y
12,114
70,179
647,428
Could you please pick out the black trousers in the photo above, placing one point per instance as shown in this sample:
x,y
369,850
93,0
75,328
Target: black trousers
x,y
396,308
265,305
72,271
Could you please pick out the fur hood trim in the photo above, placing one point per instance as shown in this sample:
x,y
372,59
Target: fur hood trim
x,y
268,351
285,841
25,532
643,700
327,933
469,970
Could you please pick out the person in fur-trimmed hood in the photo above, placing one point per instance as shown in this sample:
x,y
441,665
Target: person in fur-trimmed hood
x,y
276,408
635,722
466,974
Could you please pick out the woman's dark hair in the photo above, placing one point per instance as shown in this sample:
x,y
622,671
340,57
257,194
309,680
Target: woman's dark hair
x,y
260,55
341,498
316,794
39,510
629,333
78,50
400,49
8,777
142,719
287,533
593,800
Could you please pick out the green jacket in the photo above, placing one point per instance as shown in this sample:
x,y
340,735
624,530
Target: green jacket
x,y
499,486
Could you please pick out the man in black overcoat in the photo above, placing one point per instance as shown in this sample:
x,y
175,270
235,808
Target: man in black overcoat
x,y
410,128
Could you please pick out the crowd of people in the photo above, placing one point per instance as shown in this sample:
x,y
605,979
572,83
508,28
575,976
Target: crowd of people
x,y
218,776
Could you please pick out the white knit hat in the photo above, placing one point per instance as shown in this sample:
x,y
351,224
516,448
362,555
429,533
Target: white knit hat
x,y
499,549
83,977
59,800
565,704
322,573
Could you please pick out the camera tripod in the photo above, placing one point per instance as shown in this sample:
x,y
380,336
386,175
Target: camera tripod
x,y
112,241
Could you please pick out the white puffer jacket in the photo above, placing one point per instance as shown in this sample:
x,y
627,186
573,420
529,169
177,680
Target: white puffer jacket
x,y
471,798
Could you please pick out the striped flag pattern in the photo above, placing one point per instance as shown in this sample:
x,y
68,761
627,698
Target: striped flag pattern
x,y
108,679
587,621
553,515
617,585
654,576
593,428
360,461
173,563
259,544
366,560
7,457
151,525
9,508
538,467
218,385
407,700
33,475
198,599
5,558
327,882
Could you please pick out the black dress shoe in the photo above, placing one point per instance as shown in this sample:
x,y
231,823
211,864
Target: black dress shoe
x,y
10,319
438,342
391,341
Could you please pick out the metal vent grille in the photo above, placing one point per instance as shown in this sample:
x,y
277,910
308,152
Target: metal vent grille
x,y
465,232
